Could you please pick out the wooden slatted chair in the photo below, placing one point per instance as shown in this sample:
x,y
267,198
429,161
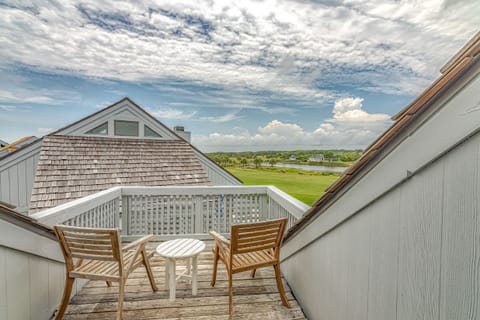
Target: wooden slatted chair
x,y
104,257
251,246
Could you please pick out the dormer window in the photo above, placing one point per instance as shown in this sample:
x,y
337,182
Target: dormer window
x,y
126,128
100,130
148,132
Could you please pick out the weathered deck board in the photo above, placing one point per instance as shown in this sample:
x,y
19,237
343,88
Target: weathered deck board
x,y
256,298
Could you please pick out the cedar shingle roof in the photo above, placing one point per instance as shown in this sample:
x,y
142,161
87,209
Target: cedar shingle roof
x,y
454,69
72,167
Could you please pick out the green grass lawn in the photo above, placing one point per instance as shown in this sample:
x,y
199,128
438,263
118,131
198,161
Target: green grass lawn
x,y
306,186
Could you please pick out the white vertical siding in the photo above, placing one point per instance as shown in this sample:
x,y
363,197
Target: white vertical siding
x,y
460,261
16,181
420,244
32,274
412,254
3,280
383,262
31,286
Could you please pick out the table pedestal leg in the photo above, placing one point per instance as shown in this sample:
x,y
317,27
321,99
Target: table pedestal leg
x,y
167,272
189,263
194,275
172,278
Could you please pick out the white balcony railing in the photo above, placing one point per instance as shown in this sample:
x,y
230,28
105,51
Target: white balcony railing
x,y
169,212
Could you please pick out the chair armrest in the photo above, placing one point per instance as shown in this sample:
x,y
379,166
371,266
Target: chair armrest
x,y
218,237
137,242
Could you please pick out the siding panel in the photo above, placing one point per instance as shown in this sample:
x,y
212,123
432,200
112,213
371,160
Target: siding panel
x,y
357,237
13,177
38,297
31,165
460,280
338,270
420,238
383,266
3,281
31,287
22,184
16,182
5,186
18,277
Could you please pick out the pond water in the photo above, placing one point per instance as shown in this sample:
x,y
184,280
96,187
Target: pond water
x,y
309,168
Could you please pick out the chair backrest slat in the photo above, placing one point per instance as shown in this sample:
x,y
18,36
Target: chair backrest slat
x,y
252,237
89,243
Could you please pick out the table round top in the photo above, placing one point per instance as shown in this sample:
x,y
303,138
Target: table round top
x,y
180,248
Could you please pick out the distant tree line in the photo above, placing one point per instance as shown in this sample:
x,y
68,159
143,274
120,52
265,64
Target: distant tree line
x,y
259,158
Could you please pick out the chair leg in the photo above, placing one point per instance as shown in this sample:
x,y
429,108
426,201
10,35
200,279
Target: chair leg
x,y
121,297
230,296
215,263
253,273
146,263
278,277
66,298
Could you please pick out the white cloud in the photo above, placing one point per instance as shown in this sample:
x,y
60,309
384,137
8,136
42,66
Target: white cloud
x,y
23,96
350,110
279,128
171,114
16,108
17,89
288,47
350,127
225,118
8,108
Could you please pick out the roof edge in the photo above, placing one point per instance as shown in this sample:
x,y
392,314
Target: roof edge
x,y
469,46
456,64
11,216
19,151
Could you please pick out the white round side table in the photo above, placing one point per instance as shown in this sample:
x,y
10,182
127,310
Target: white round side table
x,y
178,249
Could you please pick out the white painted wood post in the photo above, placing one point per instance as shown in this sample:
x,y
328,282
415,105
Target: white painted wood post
x,y
125,215
198,214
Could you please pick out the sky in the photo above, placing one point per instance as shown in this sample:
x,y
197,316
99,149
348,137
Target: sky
x,y
240,75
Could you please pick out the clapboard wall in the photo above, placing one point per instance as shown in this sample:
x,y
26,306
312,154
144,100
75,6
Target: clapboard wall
x,y
396,247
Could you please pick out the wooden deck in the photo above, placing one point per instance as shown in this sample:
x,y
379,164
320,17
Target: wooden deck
x,y
256,298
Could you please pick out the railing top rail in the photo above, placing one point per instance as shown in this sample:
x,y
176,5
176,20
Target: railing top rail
x,y
192,190
73,208
295,207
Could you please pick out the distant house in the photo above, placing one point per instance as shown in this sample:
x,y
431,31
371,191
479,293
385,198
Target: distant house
x,y
317,158
121,144
293,157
